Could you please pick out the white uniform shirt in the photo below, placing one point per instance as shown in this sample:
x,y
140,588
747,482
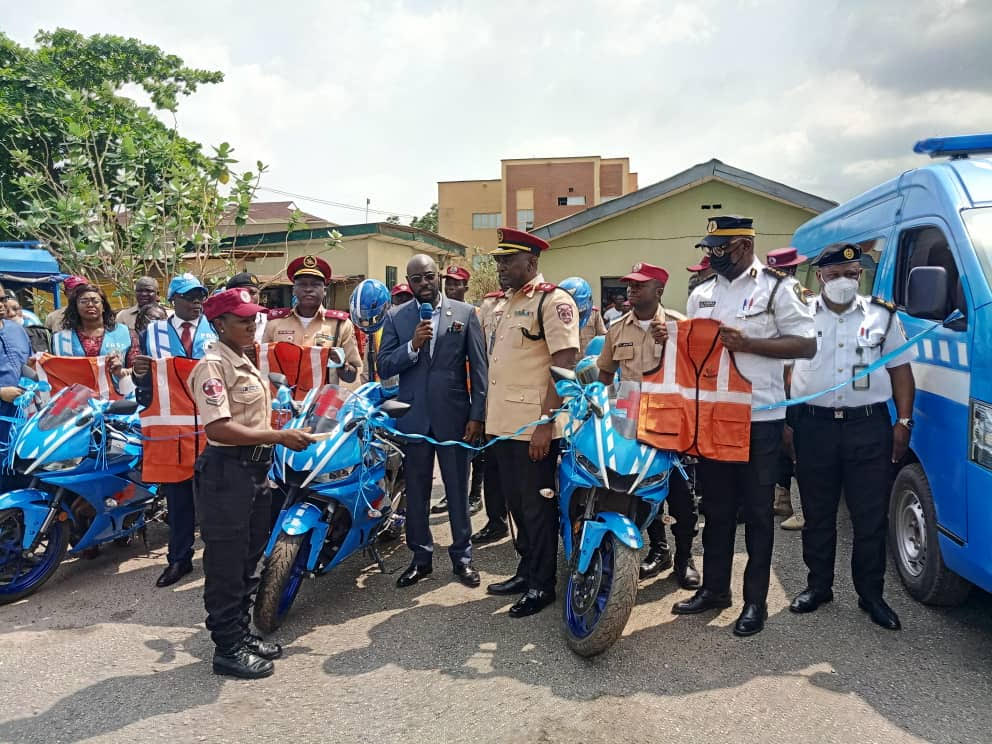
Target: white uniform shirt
x,y
611,315
855,338
744,304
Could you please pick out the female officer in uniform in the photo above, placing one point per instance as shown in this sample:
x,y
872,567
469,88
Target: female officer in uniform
x,y
231,495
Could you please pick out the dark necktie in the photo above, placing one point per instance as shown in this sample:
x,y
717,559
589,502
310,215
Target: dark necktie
x,y
187,338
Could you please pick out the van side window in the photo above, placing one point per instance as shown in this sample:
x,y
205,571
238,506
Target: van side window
x,y
927,246
871,250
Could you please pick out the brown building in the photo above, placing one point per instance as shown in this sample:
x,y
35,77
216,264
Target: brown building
x,y
529,193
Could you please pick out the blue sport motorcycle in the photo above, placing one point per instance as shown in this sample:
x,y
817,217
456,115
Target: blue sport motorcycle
x,y
337,492
81,456
610,488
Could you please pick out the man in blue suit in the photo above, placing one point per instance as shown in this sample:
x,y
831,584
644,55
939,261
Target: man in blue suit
x,y
429,356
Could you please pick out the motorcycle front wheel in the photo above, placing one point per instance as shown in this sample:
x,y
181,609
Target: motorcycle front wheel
x,y
20,574
281,580
597,603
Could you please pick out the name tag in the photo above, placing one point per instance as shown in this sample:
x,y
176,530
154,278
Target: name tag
x,y
287,332
625,343
707,303
523,313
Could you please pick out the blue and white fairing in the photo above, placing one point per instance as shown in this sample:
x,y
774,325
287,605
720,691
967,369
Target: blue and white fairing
x,y
602,452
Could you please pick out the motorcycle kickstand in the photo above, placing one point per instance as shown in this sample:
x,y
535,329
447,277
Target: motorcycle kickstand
x,y
373,550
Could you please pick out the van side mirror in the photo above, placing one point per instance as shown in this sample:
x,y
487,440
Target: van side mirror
x,y
926,296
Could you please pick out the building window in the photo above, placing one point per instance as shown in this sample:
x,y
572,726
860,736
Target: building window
x,y
486,220
571,201
390,276
525,219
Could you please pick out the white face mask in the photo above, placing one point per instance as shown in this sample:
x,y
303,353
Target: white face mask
x,y
841,290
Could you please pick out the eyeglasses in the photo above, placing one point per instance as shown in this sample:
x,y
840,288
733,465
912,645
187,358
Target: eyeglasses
x,y
427,276
89,301
194,295
718,250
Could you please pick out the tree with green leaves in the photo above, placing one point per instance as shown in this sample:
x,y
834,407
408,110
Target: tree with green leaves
x,y
428,221
484,279
110,189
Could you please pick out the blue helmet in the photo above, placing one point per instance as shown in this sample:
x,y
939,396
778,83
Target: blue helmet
x,y
595,346
368,305
582,294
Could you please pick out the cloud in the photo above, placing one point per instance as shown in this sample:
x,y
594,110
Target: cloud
x,y
383,99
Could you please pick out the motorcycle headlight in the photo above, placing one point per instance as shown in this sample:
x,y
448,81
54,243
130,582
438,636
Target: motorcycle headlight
x,y
334,475
586,463
54,467
654,480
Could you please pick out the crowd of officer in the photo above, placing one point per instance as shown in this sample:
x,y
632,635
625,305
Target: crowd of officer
x,y
496,358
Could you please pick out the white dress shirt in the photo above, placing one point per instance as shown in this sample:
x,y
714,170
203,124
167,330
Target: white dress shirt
x,y
435,317
744,304
855,338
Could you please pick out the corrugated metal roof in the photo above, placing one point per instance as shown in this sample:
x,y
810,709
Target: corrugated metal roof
x,y
710,170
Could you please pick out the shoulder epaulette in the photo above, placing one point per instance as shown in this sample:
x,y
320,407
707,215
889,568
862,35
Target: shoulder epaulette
x,y
497,295
775,273
337,315
546,287
884,303
279,312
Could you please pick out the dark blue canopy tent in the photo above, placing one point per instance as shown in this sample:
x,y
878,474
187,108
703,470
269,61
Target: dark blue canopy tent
x,y
27,264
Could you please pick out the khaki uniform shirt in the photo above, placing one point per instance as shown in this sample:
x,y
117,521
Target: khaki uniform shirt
x,y
53,321
519,367
226,385
594,327
631,348
129,315
336,330
490,312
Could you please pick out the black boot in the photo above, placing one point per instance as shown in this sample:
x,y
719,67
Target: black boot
x,y
686,572
658,559
240,662
260,647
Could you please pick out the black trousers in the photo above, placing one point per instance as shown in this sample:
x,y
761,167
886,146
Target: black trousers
x,y
682,508
232,499
478,476
419,468
492,492
853,457
750,488
182,520
535,517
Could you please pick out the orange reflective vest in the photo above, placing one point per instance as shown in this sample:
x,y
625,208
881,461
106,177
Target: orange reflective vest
x,y
696,402
62,371
169,424
305,367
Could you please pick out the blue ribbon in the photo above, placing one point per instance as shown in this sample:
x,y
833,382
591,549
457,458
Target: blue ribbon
x,y
877,364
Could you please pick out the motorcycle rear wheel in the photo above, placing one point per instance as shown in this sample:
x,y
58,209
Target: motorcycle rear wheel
x,y
281,580
597,604
20,576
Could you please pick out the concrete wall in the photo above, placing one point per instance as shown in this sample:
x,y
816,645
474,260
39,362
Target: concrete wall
x,y
664,233
457,201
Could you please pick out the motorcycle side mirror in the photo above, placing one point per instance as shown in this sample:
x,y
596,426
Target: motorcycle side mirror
x,y
122,407
596,409
560,373
85,419
353,424
29,372
278,379
394,408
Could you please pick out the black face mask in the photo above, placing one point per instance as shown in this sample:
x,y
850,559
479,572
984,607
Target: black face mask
x,y
722,264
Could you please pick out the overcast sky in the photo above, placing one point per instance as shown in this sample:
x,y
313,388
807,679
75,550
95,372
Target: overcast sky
x,y
348,100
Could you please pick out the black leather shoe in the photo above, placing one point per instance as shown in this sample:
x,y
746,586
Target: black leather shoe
x,y
880,613
440,507
492,532
531,603
241,663
513,585
701,601
687,574
474,506
467,574
656,561
810,599
751,620
264,649
413,574
173,572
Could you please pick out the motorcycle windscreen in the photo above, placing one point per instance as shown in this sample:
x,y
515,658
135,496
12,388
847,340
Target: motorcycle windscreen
x,y
64,407
325,412
625,403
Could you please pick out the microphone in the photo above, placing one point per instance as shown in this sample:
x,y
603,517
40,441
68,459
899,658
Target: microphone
x,y
426,311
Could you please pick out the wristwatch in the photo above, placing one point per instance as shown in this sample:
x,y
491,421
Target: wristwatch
x,y
907,422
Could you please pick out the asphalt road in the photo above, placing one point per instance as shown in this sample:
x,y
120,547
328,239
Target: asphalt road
x,y
101,655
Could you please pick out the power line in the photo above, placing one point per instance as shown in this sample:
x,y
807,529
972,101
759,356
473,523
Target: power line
x,y
339,205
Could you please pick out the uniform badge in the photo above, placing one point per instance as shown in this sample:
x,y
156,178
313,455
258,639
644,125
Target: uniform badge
x,y
245,296
213,389
849,254
636,267
712,227
800,291
565,312
309,261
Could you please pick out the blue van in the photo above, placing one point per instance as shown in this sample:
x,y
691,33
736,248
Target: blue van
x,y
928,234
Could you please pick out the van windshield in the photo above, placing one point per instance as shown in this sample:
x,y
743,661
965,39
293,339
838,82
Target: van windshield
x,y
979,224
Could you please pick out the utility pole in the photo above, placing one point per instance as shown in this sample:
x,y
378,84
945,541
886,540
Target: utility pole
x,y
367,202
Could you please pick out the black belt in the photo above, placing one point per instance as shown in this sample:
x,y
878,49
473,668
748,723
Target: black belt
x,y
261,454
848,414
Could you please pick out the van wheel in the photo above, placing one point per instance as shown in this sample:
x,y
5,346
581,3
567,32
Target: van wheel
x,y
914,543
